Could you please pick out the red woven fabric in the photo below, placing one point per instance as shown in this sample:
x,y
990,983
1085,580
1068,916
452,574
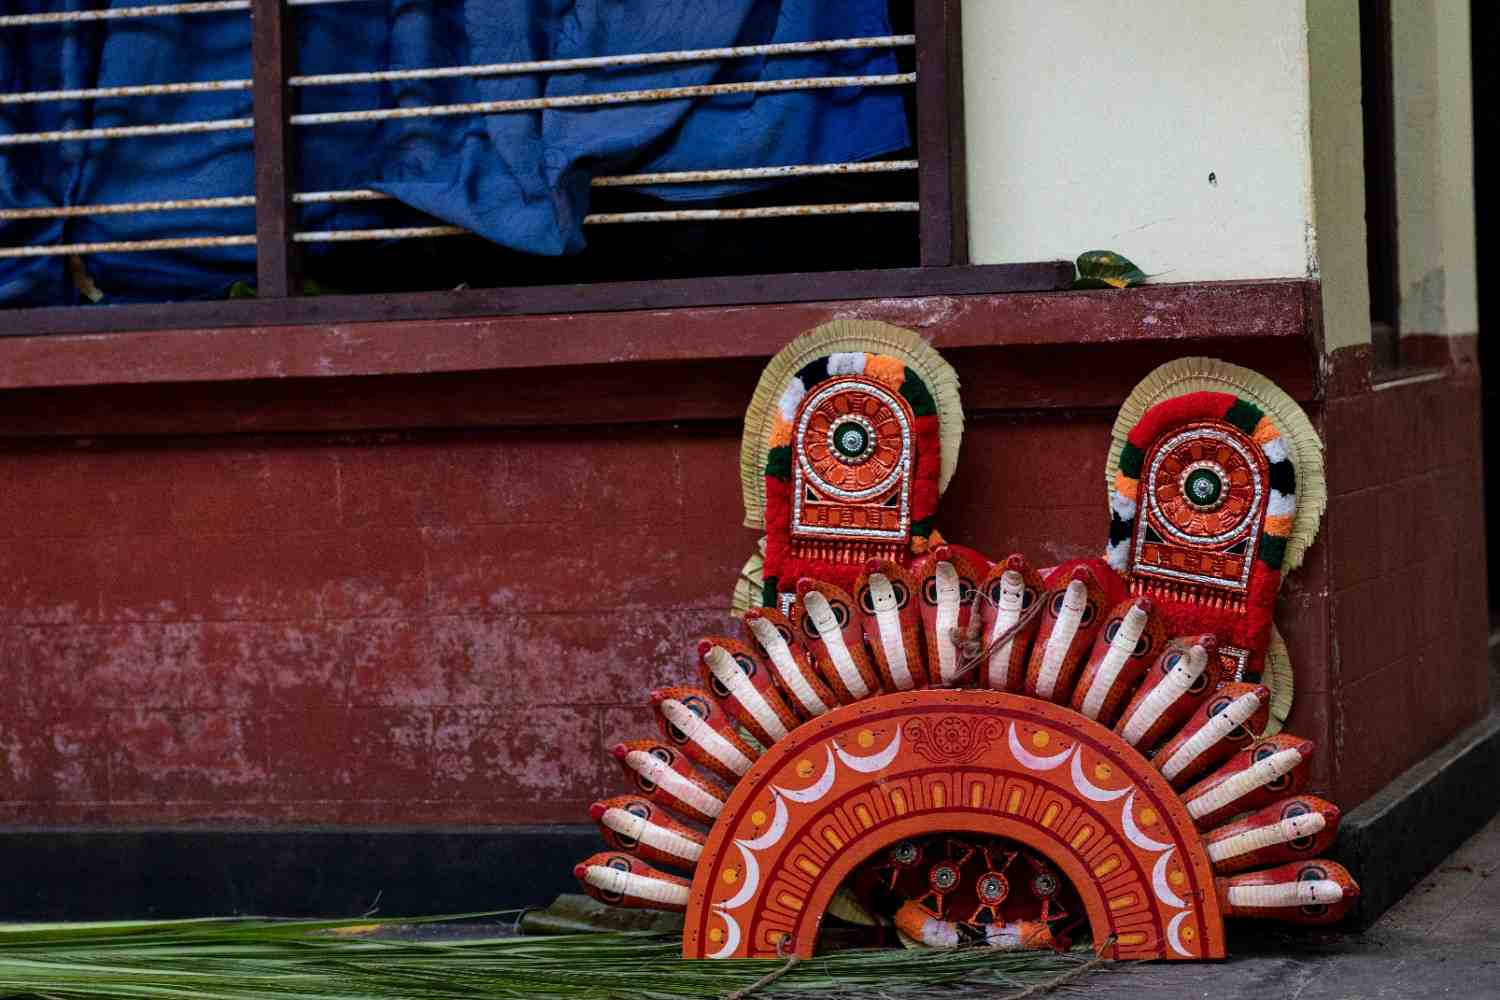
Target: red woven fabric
x,y
928,469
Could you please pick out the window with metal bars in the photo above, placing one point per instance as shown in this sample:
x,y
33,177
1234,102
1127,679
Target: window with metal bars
x,y
815,228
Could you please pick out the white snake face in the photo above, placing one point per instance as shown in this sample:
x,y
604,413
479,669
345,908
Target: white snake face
x,y
1075,598
822,613
882,594
1012,590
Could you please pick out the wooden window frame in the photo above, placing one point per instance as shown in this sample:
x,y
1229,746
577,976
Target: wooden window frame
x,y
1382,246
942,219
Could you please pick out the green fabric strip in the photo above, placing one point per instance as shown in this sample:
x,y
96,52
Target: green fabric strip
x,y
1244,415
917,396
779,462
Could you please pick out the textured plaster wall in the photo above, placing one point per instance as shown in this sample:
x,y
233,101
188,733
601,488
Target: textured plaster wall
x,y
1097,126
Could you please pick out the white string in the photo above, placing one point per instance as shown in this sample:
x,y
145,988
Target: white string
x,y
595,62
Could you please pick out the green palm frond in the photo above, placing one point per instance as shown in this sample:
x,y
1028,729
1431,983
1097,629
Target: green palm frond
x,y
242,959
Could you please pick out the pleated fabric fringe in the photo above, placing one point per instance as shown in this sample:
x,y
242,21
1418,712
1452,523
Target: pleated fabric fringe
x,y
1277,676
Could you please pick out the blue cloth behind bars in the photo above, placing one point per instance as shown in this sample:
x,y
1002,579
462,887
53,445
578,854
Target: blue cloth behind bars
x,y
519,179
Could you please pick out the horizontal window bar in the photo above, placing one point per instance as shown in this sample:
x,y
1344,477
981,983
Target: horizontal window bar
x,y
146,10
597,62
127,246
125,208
412,232
600,100
127,131
358,194
138,90
754,173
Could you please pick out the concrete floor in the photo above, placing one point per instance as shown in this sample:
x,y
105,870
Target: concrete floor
x,y
1441,940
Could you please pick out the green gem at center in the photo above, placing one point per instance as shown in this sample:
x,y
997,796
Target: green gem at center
x,y
851,440
1203,487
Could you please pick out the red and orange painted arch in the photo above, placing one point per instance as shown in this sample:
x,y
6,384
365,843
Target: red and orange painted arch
x,y
853,782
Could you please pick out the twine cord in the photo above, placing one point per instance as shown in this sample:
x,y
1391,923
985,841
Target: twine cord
x,y
974,656
792,962
1067,977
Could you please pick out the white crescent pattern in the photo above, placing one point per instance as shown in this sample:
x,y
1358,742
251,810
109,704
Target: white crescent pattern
x,y
731,938
1031,760
816,790
1174,931
1133,833
774,831
752,880
877,761
1159,882
1087,788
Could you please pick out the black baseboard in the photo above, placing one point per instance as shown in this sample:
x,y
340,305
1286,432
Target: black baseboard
x,y
1389,843
1393,840
107,874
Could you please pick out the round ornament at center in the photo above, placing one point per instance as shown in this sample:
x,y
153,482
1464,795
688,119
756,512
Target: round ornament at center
x,y
1203,487
852,440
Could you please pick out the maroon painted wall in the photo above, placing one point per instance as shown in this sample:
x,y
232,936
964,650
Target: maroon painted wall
x,y
431,627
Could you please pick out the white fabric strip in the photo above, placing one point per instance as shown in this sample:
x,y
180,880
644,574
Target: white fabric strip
x,y
660,773
612,880
703,735
1120,648
729,674
1176,684
1075,599
1262,772
785,665
791,396
1007,613
888,624
1275,449
1312,893
1118,555
639,828
821,613
846,363
1283,832
1215,729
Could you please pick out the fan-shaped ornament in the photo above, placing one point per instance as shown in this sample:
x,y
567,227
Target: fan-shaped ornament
x,y
955,750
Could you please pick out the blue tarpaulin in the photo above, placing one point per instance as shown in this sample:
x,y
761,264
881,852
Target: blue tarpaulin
x,y
519,179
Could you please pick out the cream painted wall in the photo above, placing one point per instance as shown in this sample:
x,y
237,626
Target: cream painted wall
x,y
1095,125
1338,154
1434,166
